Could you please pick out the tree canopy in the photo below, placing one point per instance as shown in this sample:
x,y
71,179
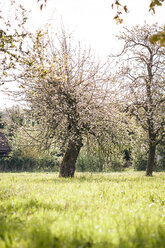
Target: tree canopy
x,y
67,92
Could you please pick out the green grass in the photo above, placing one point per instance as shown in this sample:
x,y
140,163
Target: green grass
x,y
118,210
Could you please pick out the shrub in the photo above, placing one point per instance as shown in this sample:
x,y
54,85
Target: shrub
x,y
89,162
24,162
116,163
97,162
140,161
160,157
49,162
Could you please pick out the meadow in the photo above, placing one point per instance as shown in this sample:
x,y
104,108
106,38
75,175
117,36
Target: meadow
x,y
116,210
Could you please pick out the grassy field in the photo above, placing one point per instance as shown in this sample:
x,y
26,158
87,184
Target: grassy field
x,y
40,210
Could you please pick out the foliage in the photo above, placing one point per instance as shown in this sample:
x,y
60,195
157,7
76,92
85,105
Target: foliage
x,y
42,3
139,149
21,161
140,161
119,10
160,163
14,118
89,162
2,121
97,210
93,158
28,151
155,3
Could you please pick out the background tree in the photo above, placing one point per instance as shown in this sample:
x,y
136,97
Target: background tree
x,y
67,92
141,80
14,118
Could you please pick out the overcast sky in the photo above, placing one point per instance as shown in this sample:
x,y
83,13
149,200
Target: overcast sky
x,y
91,22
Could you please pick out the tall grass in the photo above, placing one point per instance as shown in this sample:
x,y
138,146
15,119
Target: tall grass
x,y
118,210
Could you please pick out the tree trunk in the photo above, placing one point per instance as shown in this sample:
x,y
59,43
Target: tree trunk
x,y
151,158
67,166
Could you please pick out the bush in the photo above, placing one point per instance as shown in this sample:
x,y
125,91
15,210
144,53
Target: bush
x,y
24,162
49,162
140,161
89,162
160,163
98,162
116,163
160,157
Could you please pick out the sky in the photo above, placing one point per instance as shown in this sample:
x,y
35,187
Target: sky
x,y
90,21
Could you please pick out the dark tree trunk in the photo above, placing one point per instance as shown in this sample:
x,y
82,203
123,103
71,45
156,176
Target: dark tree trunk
x,y
151,158
67,166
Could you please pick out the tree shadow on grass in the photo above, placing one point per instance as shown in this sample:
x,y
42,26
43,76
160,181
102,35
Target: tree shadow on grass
x,y
32,206
95,179
81,178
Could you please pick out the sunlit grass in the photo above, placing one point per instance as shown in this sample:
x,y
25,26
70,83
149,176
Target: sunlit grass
x,y
92,210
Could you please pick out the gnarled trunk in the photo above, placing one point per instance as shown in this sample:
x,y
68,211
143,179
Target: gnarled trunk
x,y
151,158
67,166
